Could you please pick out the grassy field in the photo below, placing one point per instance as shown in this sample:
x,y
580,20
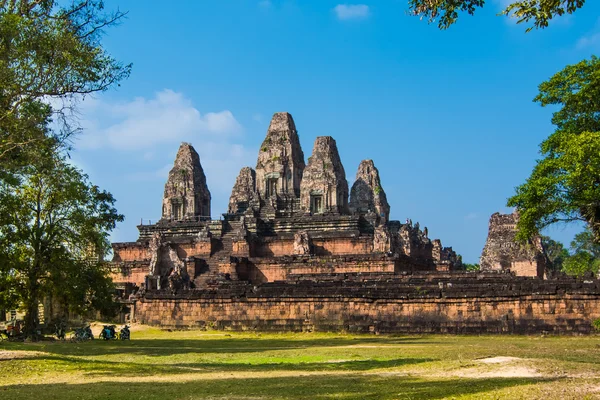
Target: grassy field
x,y
157,364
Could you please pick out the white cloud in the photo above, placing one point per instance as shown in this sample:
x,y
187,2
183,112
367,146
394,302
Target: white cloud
x,y
591,41
148,132
142,123
471,215
351,11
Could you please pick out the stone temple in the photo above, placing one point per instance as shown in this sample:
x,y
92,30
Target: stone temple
x,y
283,209
300,249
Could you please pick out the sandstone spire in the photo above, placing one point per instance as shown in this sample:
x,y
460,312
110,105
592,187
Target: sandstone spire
x,y
324,186
367,193
243,191
186,194
280,161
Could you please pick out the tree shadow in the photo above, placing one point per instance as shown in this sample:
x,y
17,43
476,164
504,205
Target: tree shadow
x,y
314,387
129,369
169,347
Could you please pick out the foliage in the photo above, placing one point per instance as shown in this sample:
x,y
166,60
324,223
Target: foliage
x,y
49,50
539,12
565,184
556,253
585,256
580,264
471,267
54,229
584,242
596,324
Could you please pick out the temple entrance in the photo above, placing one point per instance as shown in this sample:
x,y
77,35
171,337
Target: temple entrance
x,y
271,188
316,204
176,210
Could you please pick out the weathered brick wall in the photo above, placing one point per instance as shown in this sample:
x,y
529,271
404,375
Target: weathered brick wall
x,y
367,307
130,272
259,271
132,251
194,249
321,246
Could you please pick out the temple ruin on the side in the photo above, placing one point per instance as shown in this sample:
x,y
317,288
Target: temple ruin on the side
x,y
301,249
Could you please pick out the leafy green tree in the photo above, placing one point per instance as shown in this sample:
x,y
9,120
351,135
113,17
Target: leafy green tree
x,y
556,253
580,264
471,267
565,184
54,229
584,241
586,255
49,49
539,12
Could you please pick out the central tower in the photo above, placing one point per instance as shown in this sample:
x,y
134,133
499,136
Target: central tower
x,y
280,163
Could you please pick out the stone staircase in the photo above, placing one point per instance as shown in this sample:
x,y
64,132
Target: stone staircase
x,y
222,249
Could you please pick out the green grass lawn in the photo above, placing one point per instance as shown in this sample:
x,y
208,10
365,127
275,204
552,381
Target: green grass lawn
x,y
157,364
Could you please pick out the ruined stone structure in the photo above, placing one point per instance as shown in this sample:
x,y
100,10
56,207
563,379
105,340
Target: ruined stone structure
x,y
503,253
297,251
324,188
186,194
367,194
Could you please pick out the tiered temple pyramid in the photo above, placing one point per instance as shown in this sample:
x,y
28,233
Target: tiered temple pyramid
x,y
287,220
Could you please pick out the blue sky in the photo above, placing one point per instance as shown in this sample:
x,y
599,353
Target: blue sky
x,y
447,116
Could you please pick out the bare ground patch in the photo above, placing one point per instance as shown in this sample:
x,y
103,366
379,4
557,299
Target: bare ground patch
x,y
16,354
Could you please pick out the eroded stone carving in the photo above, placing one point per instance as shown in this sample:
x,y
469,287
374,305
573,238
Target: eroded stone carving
x,y
302,243
243,191
503,253
324,186
381,240
186,194
204,235
367,194
154,247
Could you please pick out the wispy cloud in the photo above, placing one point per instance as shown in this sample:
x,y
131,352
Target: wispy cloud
x,y
471,215
151,129
265,4
346,12
142,123
591,41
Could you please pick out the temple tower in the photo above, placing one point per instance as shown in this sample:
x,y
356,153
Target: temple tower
x,y
186,193
280,163
324,186
367,194
244,190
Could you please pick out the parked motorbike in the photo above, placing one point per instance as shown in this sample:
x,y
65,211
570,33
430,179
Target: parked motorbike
x,y
108,332
84,333
125,334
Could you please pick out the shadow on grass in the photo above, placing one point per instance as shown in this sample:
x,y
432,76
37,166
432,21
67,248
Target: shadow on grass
x,y
129,369
167,347
348,387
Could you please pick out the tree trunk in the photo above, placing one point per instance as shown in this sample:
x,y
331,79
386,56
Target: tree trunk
x,y
31,317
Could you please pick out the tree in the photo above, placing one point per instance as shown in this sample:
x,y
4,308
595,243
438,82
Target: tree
x,y
556,253
540,12
565,184
53,237
471,267
586,255
49,50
